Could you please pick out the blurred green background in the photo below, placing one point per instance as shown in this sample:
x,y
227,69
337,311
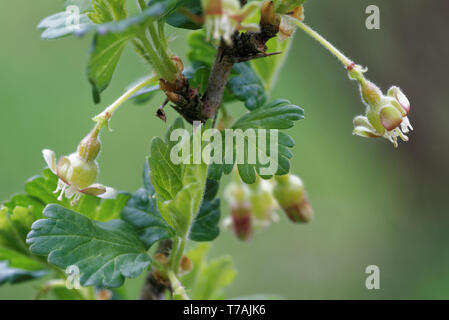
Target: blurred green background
x,y
374,204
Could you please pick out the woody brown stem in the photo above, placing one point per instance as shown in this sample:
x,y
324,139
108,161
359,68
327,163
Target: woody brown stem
x,y
245,46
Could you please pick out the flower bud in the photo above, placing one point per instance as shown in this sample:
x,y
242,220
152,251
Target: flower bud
x,y
268,14
90,146
241,211
291,197
371,93
262,202
241,220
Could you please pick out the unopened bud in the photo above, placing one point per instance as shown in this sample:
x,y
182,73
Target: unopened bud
x,y
90,146
241,220
371,93
268,14
289,193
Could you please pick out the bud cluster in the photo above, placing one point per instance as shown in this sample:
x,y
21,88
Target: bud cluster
x,y
254,206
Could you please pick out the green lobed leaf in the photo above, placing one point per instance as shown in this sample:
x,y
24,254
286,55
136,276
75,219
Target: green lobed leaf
x,y
166,177
142,213
278,114
205,226
18,214
14,275
59,25
179,187
104,56
178,16
246,86
104,252
208,279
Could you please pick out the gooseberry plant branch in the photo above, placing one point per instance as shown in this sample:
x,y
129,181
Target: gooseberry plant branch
x,y
103,118
326,44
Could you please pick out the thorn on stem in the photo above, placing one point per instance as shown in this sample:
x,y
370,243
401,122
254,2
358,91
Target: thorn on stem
x,y
160,111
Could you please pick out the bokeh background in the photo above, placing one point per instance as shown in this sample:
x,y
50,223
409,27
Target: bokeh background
x,y
374,204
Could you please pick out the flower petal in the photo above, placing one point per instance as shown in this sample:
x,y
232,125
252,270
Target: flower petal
x,y
95,189
390,117
110,193
50,159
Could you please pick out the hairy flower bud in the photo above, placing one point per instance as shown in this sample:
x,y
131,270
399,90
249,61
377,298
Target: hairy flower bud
x,y
290,195
241,220
90,146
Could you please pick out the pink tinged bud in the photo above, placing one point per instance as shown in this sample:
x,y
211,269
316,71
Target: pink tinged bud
x,y
400,97
300,212
291,197
390,117
241,220
371,93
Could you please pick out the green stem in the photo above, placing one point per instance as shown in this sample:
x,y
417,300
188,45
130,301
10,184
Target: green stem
x,y
179,292
337,53
57,283
177,255
107,113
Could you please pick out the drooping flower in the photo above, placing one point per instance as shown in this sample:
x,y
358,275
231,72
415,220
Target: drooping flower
x,y
386,115
224,17
78,172
290,194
